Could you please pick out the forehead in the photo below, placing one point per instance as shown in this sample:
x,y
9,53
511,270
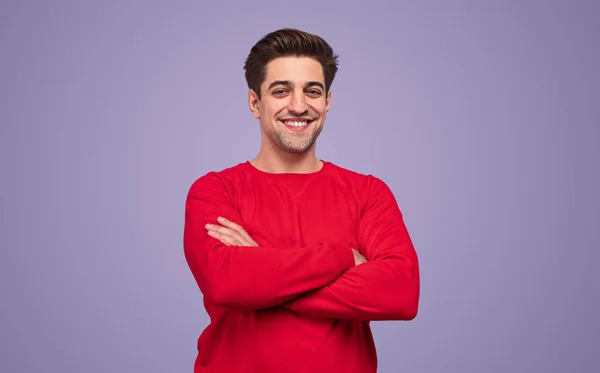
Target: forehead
x,y
295,69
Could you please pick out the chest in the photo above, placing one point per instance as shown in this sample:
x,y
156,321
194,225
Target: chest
x,y
290,215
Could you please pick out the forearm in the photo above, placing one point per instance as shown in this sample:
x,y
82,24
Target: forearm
x,y
250,277
261,277
385,289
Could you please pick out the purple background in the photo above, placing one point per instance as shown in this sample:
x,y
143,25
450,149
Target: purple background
x,y
482,118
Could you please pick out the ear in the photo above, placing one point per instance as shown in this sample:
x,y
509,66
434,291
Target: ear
x,y
254,103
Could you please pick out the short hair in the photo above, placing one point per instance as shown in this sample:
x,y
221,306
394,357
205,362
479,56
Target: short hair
x,y
288,42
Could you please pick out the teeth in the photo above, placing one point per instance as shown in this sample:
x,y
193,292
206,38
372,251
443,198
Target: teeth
x,y
296,124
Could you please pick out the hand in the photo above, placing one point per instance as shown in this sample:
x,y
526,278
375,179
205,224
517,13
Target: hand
x,y
229,233
358,258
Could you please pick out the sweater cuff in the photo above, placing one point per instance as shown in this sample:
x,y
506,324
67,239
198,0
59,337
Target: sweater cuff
x,y
344,255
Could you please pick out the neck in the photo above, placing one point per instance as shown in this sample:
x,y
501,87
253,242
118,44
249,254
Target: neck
x,y
278,161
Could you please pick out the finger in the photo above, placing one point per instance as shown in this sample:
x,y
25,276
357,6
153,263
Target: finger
x,y
234,237
223,230
227,240
238,228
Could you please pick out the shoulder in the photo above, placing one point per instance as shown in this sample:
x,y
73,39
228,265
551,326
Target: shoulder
x,y
366,182
373,193
224,180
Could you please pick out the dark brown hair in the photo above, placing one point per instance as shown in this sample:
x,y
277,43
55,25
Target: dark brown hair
x,y
284,43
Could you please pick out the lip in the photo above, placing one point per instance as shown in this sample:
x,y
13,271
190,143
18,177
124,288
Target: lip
x,y
296,119
296,129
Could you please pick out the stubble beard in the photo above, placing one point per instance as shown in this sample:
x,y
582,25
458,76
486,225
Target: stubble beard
x,y
294,142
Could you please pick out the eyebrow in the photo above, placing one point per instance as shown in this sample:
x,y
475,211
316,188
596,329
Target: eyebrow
x,y
289,83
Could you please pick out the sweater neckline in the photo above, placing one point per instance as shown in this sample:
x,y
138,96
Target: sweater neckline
x,y
254,170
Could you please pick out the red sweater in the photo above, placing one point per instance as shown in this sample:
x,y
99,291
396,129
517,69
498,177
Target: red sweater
x,y
297,303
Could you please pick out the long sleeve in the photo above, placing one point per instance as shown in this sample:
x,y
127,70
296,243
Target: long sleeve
x,y
250,277
387,287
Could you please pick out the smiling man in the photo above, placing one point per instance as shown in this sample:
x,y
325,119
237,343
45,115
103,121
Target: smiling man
x,y
294,255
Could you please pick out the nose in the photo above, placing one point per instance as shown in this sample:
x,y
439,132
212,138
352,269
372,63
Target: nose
x,y
297,103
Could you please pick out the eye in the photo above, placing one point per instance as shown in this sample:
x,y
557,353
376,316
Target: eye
x,y
279,92
314,92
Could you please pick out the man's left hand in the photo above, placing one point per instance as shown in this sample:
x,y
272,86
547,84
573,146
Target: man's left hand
x,y
230,233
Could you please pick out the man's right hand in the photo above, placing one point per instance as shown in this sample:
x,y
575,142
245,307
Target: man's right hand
x,y
233,234
358,258
229,233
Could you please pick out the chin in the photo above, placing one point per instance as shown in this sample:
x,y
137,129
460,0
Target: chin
x,y
297,150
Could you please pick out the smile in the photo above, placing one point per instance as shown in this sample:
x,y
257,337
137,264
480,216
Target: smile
x,y
296,123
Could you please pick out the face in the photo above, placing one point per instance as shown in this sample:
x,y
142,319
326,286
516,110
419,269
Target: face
x,y
293,103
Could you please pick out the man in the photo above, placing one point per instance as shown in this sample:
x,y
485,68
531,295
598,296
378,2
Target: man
x,y
295,255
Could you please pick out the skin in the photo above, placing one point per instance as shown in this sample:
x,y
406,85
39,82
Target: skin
x,y
293,89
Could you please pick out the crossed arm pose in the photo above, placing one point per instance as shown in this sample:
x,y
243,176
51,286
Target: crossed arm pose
x,y
330,280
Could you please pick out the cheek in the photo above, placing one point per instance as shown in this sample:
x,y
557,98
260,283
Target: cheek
x,y
321,108
320,105
272,111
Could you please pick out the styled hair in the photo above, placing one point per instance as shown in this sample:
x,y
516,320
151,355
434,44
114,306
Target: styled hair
x,y
288,42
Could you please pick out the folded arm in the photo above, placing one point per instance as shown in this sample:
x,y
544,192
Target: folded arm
x,y
387,287
250,277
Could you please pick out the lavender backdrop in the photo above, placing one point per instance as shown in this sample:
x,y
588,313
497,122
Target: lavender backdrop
x,y
482,116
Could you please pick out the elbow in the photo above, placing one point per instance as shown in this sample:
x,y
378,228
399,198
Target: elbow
x,y
229,295
403,289
400,309
215,296
410,310
410,302
406,306
214,290
217,289
220,295
405,309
